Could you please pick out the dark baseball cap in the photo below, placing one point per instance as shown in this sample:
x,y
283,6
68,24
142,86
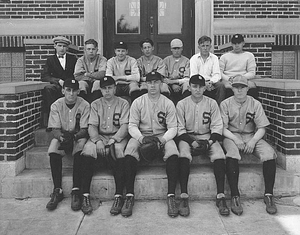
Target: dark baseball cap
x,y
237,38
71,83
197,79
107,81
120,45
153,76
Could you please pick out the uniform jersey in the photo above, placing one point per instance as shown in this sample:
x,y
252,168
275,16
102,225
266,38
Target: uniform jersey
x,y
155,64
243,118
152,118
109,118
199,118
84,65
64,118
127,68
177,68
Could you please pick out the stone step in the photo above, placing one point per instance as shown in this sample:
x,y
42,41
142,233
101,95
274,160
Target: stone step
x,y
151,183
37,158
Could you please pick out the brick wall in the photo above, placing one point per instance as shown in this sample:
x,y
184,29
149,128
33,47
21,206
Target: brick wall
x,y
256,9
19,116
282,108
42,9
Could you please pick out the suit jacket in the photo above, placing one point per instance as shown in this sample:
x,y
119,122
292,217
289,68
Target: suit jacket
x,y
53,70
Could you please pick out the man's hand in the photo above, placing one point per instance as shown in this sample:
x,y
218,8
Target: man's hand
x,y
250,145
209,86
100,148
239,143
111,141
176,88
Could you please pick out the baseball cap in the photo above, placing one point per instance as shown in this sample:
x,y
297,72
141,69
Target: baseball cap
x,y
107,81
239,80
176,43
237,38
197,79
61,39
153,76
71,83
120,45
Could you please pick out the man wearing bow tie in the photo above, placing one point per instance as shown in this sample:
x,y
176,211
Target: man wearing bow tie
x,y
58,68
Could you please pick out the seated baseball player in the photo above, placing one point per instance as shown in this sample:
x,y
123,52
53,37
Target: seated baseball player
x,y
177,72
238,62
245,125
199,131
150,63
108,130
89,69
69,122
125,71
152,121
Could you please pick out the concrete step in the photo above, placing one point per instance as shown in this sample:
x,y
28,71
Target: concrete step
x,y
151,183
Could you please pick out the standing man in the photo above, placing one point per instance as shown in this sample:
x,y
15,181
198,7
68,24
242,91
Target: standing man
x,y
89,69
244,127
238,62
69,122
200,123
207,65
177,71
108,126
125,71
151,63
152,120
58,68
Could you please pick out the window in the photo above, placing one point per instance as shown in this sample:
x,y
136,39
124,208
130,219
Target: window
x,y
285,63
12,65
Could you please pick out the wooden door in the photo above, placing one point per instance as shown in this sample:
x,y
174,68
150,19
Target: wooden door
x,y
161,20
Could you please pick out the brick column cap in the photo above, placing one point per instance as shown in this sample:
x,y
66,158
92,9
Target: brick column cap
x,y
21,87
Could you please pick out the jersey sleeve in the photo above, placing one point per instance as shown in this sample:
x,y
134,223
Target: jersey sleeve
x,y
251,66
161,68
54,117
216,125
93,119
134,120
224,114
85,116
260,118
171,121
79,70
109,68
180,118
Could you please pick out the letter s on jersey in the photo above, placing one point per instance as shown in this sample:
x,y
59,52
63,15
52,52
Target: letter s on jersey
x,y
206,118
161,118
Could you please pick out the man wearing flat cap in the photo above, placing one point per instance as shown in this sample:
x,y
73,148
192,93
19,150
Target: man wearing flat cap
x,y
58,68
108,127
238,62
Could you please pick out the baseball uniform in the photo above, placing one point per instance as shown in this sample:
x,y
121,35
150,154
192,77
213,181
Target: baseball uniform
x,y
243,120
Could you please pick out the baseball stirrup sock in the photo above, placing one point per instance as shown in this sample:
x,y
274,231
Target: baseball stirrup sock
x,y
77,170
56,169
119,176
269,172
219,172
172,170
232,171
184,172
130,173
88,163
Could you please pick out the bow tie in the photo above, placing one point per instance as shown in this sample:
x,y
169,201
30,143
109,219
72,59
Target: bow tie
x,y
61,56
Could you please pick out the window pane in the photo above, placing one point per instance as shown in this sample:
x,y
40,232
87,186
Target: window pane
x,y
283,64
169,16
127,16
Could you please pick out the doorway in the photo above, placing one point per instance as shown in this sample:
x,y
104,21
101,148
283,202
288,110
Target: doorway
x,y
161,20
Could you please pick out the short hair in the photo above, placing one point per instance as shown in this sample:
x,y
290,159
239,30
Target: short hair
x,y
91,41
148,40
204,39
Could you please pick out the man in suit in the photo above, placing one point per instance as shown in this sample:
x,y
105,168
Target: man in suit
x,y
58,68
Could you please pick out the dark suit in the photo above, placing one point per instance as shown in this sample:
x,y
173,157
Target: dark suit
x,y
52,73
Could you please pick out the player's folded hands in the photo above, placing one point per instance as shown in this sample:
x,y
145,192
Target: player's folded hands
x,y
100,148
250,146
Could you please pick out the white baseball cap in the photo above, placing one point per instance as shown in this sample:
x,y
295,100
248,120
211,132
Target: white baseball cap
x,y
176,43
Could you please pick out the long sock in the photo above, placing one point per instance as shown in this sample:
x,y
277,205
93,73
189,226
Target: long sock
x,y
269,172
232,171
119,176
77,170
184,172
87,173
56,169
130,173
172,170
219,171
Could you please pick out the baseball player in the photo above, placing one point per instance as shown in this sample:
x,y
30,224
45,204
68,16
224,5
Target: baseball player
x,y
206,64
152,115
89,69
57,69
238,62
108,126
125,71
150,63
199,119
69,122
177,71
244,127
